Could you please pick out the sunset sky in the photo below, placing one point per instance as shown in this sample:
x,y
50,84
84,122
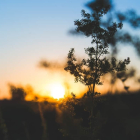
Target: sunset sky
x,y
35,30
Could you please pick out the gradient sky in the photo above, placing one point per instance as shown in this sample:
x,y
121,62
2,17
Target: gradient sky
x,y
32,30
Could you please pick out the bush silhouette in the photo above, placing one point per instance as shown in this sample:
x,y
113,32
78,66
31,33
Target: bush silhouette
x,y
17,93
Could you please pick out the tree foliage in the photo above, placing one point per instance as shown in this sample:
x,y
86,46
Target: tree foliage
x,y
90,70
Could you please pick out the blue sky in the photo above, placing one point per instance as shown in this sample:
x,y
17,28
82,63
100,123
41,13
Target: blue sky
x,y
31,30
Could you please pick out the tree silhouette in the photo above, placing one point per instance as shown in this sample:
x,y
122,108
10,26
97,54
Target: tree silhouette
x,y
90,70
130,17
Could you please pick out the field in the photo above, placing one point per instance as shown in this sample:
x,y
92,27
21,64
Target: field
x,y
116,117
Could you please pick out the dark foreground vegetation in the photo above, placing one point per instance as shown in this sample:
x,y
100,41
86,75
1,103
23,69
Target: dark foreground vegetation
x,y
116,117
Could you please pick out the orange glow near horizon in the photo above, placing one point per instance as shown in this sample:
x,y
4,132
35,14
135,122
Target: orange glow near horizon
x,y
60,84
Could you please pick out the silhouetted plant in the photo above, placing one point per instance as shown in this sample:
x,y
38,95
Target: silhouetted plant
x,y
90,70
70,125
3,127
139,83
44,123
128,16
123,76
17,93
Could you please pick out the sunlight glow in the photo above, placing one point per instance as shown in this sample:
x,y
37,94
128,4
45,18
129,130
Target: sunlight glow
x,y
57,91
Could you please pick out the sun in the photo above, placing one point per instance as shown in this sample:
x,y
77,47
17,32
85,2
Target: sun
x,y
57,91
